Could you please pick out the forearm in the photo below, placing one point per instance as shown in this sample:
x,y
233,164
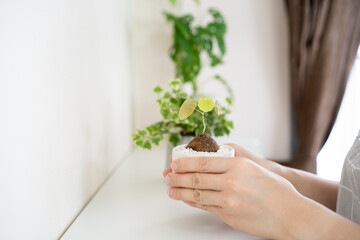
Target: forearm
x,y
321,190
304,218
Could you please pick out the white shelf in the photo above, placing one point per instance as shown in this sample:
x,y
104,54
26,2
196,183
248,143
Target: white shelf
x,y
133,204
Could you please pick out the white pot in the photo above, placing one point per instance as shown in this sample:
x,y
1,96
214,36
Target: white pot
x,y
181,151
184,139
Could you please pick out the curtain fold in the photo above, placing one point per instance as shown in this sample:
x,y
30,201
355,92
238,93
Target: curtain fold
x,y
324,37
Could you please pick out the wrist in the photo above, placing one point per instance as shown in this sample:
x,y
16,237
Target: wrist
x,y
303,218
282,171
288,173
294,217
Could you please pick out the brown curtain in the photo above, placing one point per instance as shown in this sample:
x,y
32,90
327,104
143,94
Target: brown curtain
x,y
324,37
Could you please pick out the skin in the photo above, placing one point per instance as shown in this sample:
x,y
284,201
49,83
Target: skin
x,y
260,197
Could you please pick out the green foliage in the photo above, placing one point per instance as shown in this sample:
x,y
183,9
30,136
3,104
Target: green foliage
x,y
173,128
173,2
190,41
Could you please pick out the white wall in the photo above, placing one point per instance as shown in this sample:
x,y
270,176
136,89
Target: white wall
x,y
256,66
65,116
151,39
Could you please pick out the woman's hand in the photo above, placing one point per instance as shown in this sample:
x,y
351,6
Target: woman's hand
x,y
320,190
243,194
260,197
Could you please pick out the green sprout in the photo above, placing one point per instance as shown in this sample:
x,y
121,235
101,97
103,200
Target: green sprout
x,y
205,104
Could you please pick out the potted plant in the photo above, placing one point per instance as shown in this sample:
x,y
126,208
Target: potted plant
x,y
190,41
203,144
174,128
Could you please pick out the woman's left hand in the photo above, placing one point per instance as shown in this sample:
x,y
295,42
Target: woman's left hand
x,y
240,192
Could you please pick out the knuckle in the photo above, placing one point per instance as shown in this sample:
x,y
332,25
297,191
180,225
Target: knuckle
x,y
197,195
177,194
196,180
203,164
175,179
229,202
232,184
203,207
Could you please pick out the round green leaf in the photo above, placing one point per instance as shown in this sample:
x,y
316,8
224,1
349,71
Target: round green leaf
x,y
206,104
187,108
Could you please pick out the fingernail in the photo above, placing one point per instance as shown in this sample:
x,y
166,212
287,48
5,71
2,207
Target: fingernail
x,y
168,179
174,166
171,192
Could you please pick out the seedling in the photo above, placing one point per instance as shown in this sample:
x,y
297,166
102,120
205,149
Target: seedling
x,y
203,142
205,104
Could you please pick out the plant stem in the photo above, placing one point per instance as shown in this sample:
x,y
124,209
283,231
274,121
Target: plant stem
x,y
203,115
203,118
194,87
198,111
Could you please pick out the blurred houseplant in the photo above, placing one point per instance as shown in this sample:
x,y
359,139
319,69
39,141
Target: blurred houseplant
x,y
189,42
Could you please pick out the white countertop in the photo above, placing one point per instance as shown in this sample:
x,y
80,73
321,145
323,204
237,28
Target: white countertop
x,y
133,204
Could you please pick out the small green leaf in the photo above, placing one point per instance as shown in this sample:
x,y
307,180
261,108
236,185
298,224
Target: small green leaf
x,y
165,113
229,100
164,103
217,110
181,94
206,104
229,124
175,101
172,2
147,145
139,143
157,89
142,132
174,139
167,95
175,83
218,131
156,140
174,116
136,137
187,108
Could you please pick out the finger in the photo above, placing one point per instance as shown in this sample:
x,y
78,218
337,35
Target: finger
x,y
202,164
193,195
170,158
167,171
241,152
204,181
209,208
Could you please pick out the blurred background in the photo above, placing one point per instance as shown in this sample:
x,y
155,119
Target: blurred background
x,y
76,80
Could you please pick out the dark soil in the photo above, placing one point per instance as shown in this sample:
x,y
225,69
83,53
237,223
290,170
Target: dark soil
x,y
203,143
